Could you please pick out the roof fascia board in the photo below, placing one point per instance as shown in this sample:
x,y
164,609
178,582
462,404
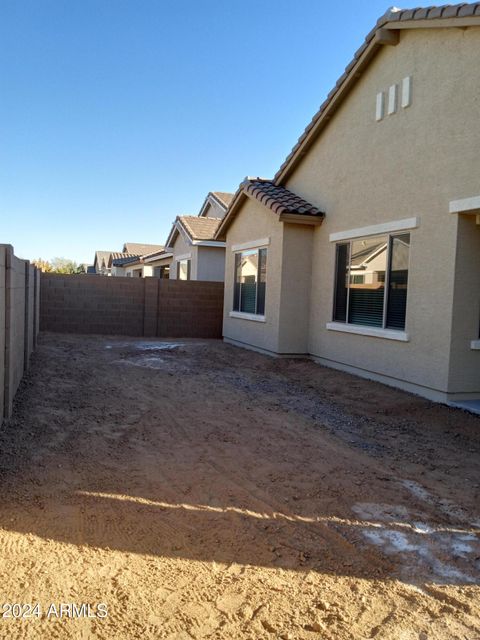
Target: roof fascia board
x,y
237,202
177,228
183,231
433,23
160,256
218,201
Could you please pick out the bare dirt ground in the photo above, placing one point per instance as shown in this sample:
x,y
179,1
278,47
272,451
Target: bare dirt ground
x,y
203,491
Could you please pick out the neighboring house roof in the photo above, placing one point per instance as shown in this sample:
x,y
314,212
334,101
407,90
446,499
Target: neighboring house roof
x,y
122,262
200,228
286,204
101,259
385,32
157,255
218,199
139,249
118,257
195,229
224,197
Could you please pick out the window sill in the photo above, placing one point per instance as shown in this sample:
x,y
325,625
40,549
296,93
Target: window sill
x,y
246,316
475,345
374,332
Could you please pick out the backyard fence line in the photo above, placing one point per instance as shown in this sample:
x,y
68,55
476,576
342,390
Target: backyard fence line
x,y
106,305
19,322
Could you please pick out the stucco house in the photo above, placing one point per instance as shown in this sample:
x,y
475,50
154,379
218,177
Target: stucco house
x,y
100,263
363,251
159,262
196,254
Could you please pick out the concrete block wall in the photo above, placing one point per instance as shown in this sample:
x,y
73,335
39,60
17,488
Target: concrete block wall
x,y
19,322
130,306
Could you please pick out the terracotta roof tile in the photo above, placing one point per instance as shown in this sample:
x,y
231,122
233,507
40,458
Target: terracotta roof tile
x,y
139,249
279,199
226,198
200,228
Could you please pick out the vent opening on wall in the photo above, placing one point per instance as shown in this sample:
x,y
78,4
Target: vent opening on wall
x,y
391,97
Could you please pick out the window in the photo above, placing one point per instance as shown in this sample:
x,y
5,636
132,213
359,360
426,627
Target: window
x,y
183,270
371,279
250,279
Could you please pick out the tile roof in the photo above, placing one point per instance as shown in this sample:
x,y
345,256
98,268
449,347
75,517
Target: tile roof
x,y
279,199
140,249
119,255
226,198
120,259
461,13
100,257
200,228
286,204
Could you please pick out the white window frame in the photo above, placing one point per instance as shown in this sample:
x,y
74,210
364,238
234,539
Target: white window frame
x,y
249,247
400,335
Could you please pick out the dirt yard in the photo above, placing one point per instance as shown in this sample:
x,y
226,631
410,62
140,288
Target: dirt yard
x,y
202,491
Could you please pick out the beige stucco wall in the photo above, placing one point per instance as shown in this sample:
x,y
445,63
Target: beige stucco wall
x,y
412,163
294,308
255,222
464,373
210,263
181,247
215,210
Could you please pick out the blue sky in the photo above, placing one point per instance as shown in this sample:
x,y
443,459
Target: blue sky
x,y
116,116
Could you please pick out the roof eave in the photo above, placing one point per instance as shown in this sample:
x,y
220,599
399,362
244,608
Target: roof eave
x,y
237,201
296,218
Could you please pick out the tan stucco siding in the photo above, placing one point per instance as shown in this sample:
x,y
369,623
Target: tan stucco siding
x,y
412,163
295,288
255,222
182,247
215,210
211,263
464,362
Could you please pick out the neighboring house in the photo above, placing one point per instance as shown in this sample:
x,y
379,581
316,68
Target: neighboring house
x,y
139,249
118,260
100,263
138,267
364,250
159,262
196,255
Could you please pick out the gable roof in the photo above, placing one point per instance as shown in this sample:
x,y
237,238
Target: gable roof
x,y
157,255
385,32
286,204
118,257
199,228
225,198
101,257
195,229
139,249
220,199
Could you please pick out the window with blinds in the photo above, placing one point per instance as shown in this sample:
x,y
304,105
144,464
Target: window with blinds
x,y
371,281
250,281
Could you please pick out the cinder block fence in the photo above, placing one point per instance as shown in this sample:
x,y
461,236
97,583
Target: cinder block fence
x,y
131,306
19,322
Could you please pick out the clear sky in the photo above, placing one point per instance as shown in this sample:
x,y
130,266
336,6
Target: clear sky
x,y
118,115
